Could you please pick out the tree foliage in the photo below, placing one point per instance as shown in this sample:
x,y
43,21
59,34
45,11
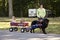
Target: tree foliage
x,y
20,7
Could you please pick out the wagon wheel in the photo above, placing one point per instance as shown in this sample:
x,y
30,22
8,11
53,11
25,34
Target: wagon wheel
x,y
15,29
11,29
27,29
22,30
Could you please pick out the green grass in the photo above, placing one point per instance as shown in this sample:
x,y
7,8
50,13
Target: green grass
x,y
52,28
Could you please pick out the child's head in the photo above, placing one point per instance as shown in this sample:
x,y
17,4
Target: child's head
x,y
22,20
13,17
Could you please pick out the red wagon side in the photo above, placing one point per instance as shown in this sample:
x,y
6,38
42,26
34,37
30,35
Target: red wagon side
x,y
14,26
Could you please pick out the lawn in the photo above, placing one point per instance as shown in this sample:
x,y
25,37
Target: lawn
x,y
53,27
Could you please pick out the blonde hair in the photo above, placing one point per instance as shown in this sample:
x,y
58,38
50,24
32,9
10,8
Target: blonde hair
x,y
13,17
22,20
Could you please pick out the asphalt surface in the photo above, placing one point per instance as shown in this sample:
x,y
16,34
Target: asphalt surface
x,y
6,35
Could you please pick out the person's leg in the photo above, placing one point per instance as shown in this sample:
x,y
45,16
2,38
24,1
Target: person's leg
x,y
32,28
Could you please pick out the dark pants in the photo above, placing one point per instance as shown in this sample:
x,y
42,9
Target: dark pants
x,y
35,26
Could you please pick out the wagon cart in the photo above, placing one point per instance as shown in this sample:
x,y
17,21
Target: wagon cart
x,y
14,27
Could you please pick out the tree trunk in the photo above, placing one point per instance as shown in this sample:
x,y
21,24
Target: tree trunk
x,y
10,8
3,7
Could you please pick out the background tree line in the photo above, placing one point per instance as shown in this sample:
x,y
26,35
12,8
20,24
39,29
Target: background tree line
x,y
20,7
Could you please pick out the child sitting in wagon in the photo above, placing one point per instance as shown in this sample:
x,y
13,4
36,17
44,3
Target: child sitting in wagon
x,y
25,26
13,20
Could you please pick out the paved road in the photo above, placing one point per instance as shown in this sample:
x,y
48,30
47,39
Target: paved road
x,y
6,35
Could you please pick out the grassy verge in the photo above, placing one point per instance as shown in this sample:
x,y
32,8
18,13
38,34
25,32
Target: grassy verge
x,y
52,28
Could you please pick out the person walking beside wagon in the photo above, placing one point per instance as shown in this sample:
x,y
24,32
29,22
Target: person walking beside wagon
x,y
41,12
42,21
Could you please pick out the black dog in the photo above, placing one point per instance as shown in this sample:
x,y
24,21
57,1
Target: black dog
x,y
37,24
